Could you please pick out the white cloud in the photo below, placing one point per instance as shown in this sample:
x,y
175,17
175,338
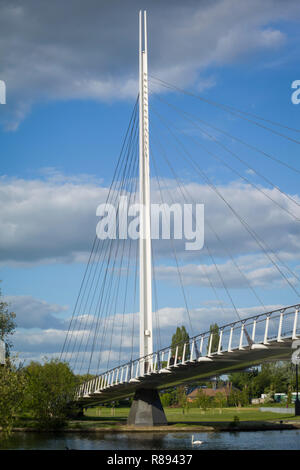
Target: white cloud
x,y
93,55
54,220
40,344
35,313
47,221
228,273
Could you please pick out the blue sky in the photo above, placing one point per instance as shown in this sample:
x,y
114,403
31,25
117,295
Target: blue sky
x,y
70,94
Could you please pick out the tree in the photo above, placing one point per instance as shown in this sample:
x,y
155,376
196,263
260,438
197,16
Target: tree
x,y
179,338
182,398
289,396
202,400
234,398
244,397
248,378
166,399
7,323
84,378
214,330
220,400
272,378
169,397
50,391
12,387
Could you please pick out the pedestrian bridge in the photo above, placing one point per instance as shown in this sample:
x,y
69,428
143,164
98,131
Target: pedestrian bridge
x,y
237,346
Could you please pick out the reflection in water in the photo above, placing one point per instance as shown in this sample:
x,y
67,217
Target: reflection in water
x,y
280,440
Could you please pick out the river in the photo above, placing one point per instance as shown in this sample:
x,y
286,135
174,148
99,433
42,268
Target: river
x,y
257,440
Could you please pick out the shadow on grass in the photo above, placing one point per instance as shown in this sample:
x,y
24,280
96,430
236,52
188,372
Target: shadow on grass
x,y
102,419
236,425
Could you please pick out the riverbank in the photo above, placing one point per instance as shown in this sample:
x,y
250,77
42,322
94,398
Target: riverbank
x,y
209,427
102,419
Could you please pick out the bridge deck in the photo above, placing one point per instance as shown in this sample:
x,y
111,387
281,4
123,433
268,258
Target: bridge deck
x,y
124,380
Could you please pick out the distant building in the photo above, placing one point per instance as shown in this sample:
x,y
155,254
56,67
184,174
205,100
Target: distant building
x,y
257,401
264,398
211,392
282,397
278,398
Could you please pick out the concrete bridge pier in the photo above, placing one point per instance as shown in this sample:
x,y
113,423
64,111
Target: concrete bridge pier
x,y
146,409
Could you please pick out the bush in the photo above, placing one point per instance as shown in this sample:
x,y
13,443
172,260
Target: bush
x,y
202,400
220,400
12,385
166,399
50,391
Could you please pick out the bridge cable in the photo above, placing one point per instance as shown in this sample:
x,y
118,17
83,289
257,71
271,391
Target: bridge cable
x,y
212,258
174,252
217,237
193,120
97,264
102,252
242,221
101,300
202,266
106,302
96,241
234,113
256,116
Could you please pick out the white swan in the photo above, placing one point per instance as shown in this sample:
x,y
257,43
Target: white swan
x,y
196,442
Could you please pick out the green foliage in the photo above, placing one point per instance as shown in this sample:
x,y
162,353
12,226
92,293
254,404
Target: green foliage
x,y
84,378
182,398
272,377
214,329
12,387
244,396
50,390
269,398
179,338
202,400
166,399
234,398
220,400
169,398
7,323
289,396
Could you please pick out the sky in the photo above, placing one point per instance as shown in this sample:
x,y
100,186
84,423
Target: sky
x,y
71,75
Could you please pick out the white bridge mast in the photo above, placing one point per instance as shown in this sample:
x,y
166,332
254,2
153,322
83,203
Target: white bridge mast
x,y
146,339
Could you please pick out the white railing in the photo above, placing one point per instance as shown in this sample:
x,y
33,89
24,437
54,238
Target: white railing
x,y
250,333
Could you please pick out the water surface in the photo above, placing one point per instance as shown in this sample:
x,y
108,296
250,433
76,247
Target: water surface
x,y
257,440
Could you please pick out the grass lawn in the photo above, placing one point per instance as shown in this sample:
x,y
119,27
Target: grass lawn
x,y
102,418
193,415
108,418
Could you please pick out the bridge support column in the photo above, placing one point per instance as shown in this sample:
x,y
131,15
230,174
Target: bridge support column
x,y
146,409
